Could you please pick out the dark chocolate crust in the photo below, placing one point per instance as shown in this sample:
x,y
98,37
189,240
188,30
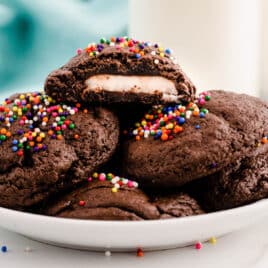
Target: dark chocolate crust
x,y
231,130
190,155
26,181
68,82
246,115
177,205
126,204
242,182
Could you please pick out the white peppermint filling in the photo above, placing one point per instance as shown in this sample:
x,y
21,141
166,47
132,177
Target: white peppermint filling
x,y
133,84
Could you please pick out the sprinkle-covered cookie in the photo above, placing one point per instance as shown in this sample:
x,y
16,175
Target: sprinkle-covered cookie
x,y
47,146
173,145
109,197
118,70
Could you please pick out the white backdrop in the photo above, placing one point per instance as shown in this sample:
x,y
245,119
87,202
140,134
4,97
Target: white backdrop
x,y
219,43
264,49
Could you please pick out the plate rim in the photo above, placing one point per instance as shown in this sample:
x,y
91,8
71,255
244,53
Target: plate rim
x,y
96,235
191,218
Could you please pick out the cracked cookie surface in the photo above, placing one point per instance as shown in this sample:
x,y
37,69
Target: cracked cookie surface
x,y
234,126
97,201
50,147
242,182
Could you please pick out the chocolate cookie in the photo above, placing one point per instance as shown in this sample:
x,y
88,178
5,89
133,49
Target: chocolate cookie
x,y
247,115
46,147
177,205
242,182
113,198
177,144
121,70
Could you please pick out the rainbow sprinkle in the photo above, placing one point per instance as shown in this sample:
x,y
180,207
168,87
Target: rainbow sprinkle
x,y
138,48
108,253
198,245
163,122
140,252
38,117
117,181
213,240
264,140
4,249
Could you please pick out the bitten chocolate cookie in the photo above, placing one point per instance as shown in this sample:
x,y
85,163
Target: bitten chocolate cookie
x,y
119,70
46,147
240,183
174,145
110,197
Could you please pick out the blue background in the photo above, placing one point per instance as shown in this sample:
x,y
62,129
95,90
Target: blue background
x,y
39,36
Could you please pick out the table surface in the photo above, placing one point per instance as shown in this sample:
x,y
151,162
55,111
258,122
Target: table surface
x,y
246,248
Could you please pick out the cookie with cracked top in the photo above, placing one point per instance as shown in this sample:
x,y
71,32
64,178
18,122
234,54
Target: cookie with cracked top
x,y
99,200
121,70
242,182
169,149
47,147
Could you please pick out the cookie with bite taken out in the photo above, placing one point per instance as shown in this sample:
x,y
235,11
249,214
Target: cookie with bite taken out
x,y
121,70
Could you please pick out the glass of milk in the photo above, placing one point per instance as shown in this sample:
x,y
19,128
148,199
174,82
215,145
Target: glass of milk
x,y
217,42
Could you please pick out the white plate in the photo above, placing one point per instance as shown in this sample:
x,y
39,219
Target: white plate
x,y
128,236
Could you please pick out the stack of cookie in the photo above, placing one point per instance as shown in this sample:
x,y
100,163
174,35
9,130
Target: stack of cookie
x,y
121,134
